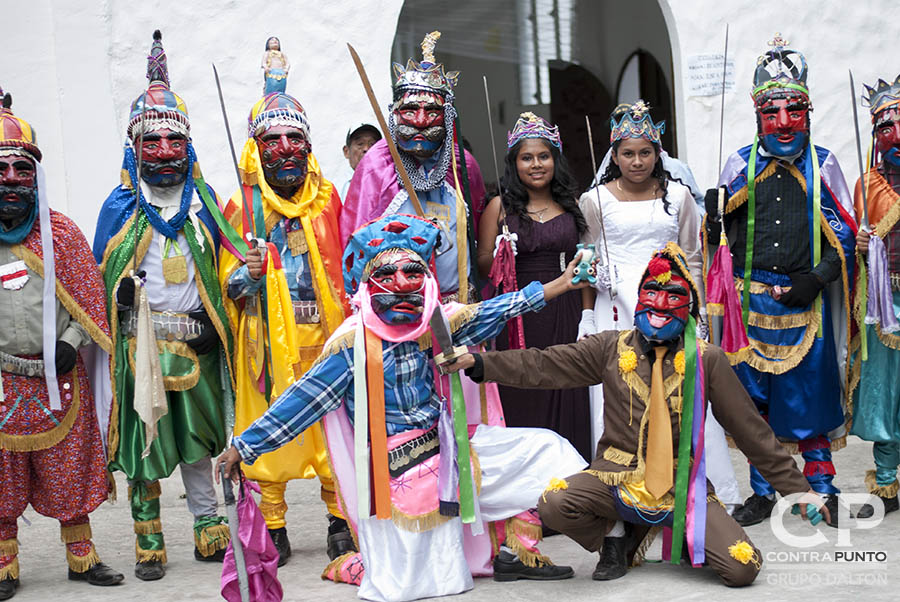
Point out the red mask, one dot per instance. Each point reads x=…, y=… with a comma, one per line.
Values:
x=887, y=134
x=18, y=177
x=396, y=284
x=419, y=117
x=663, y=307
x=783, y=125
x=164, y=157
x=284, y=151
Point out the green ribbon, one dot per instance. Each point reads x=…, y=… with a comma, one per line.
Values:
x=224, y=227
x=863, y=292
x=461, y=434
x=751, y=232
x=683, y=473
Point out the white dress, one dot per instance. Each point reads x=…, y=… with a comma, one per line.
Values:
x=634, y=231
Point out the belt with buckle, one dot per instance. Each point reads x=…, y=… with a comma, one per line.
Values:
x=895, y=282
x=21, y=365
x=167, y=325
x=413, y=452
x=305, y=312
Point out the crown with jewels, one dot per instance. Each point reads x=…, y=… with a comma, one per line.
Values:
x=636, y=123
x=428, y=76
x=882, y=96
x=530, y=125
x=780, y=69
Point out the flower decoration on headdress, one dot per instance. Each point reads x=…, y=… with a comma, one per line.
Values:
x=780, y=71
x=158, y=107
x=375, y=240
x=530, y=125
x=883, y=96
x=428, y=75
x=636, y=123
x=16, y=132
x=277, y=108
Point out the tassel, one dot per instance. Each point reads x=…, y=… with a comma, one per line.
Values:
x=148, y=527
x=212, y=538
x=80, y=564
x=11, y=570
x=75, y=533
x=150, y=555
x=872, y=485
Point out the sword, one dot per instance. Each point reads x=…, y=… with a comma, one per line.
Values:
x=487, y=100
x=859, y=159
x=440, y=328
x=139, y=155
x=612, y=272
x=722, y=109
x=236, y=545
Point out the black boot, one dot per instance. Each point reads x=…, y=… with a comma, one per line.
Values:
x=340, y=540
x=150, y=570
x=612, y=564
x=282, y=544
x=832, y=502
x=8, y=588
x=508, y=567
x=217, y=556
x=890, y=505
x=755, y=510
x=98, y=574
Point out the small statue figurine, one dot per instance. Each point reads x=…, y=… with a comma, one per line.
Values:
x=275, y=66
x=585, y=270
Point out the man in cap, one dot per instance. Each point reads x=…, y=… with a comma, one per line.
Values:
x=359, y=140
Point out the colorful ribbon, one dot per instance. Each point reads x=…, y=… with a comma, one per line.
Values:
x=682, y=473
x=377, y=425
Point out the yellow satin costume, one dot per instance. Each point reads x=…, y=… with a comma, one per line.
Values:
x=294, y=347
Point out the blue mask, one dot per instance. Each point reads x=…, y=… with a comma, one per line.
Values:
x=777, y=148
x=670, y=330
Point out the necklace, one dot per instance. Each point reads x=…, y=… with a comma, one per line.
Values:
x=539, y=213
x=652, y=191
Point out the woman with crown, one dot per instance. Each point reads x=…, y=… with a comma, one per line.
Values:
x=639, y=207
x=538, y=204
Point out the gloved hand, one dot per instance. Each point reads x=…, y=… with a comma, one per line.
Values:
x=587, y=325
x=713, y=219
x=208, y=338
x=512, y=237
x=65, y=359
x=125, y=292
x=804, y=288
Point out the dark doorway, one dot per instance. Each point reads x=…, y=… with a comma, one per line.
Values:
x=644, y=71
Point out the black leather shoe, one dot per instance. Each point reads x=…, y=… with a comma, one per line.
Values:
x=508, y=567
x=8, y=588
x=890, y=505
x=612, y=564
x=282, y=544
x=217, y=556
x=98, y=574
x=340, y=540
x=832, y=502
x=150, y=570
x=755, y=510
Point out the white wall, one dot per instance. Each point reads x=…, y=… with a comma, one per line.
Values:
x=75, y=67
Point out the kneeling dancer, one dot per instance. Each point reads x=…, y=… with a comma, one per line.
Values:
x=382, y=356
x=656, y=379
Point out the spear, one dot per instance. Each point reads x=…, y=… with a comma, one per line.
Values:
x=859, y=159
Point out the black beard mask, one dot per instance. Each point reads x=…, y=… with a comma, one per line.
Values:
x=13, y=211
x=434, y=135
x=150, y=172
x=279, y=178
x=383, y=302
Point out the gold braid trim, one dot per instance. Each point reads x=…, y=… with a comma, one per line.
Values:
x=50, y=437
x=336, y=345
x=75, y=311
x=212, y=539
x=528, y=557
x=143, y=555
x=154, y=490
x=221, y=328
x=75, y=533
x=148, y=527
x=789, y=355
x=740, y=197
x=179, y=348
x=885, y=491
x=336, y=565
x=9, y=547
x=756, y=288
x=419, y=522
x=11, y=570
x=886, y=223
x=618, y=456
x=887, y=339
x=781, y=322
x=793, y=447
x=80, y=564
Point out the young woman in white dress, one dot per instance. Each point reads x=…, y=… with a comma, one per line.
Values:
x=643, y=208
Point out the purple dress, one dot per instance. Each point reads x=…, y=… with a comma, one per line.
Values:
x=566, y=411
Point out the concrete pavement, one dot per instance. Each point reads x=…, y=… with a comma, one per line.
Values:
x=788, y=573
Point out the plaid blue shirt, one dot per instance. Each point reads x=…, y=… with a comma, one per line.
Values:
x=410, y=399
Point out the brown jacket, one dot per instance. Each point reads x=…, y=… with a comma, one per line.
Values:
x=626, y=394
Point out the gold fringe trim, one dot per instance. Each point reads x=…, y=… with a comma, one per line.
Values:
x=336, y=565
x=154, y=490
x=889, y=340
x=618, y=456
x=793, y=448
x=756, y=288
x=781, y=322
x=885, y=491
x=75, y=533
x=9, y=547
x=616, y=478
x=740, y=197
x=832, y=239
x=179, y=348
x=78, y=314
x=887, y=221
x=80, y=564
x=112, y=490
x=11, y=570
x=150, y=555
x=272, y=511
x=417, y=523
x=524, y=528
x=528, y=558
x=148, y=527
x=648, y=540
x=212, y=539
x=462, y=317
x=789, y=356
x=50, y=437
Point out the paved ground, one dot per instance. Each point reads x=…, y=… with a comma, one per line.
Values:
x=43, y=567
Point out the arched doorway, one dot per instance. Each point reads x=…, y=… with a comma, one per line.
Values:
x=643, y=77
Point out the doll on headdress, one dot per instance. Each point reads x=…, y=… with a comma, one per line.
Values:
x=275, y=66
